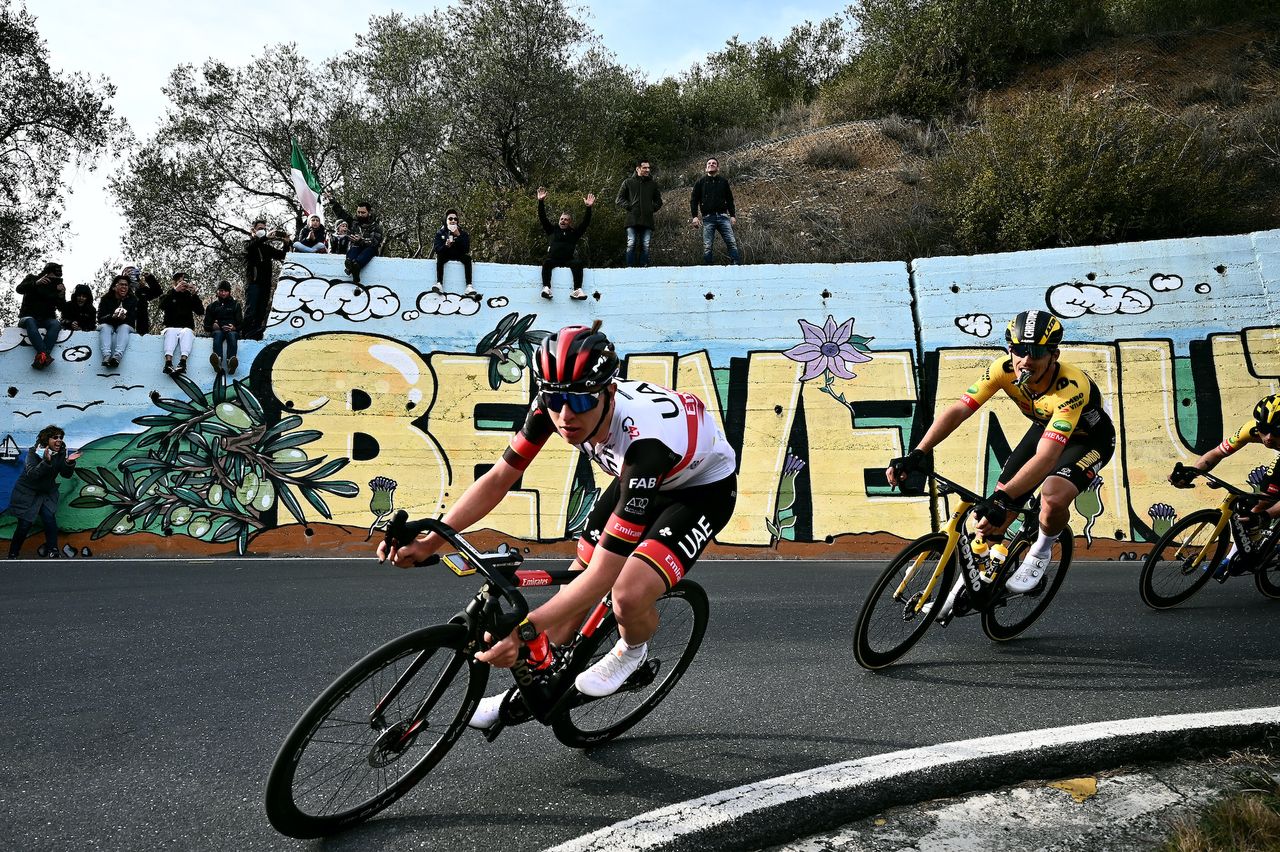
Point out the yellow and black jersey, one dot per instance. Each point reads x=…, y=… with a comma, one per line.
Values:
x=1072, y=405
x=1246, y=434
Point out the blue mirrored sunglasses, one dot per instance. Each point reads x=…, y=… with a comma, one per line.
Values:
x=577, y=402
x=1028, y=350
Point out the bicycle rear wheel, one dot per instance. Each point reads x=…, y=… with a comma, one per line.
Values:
x=682, y=621
x=1012, y=614
x=340, y=764
x=889, y=623
x=1174, y=570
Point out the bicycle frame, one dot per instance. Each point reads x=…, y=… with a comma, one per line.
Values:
x=1230, y=506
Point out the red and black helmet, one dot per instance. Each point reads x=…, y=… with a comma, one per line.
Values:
x=576, y=359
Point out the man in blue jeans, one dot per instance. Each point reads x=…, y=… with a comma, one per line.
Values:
x=42, y=297
x=713, y=198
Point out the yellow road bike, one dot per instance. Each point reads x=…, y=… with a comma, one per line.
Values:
x=1192, y=551
x=911, y=593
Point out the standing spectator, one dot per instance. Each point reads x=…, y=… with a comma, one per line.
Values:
x=563, y=244
x=36, y=491
x=223, y=319
x=365, y=234
x=714, y=198
x=260, y=253
x=117, y=313
x=180, y=306
x=311, y=237
x=42, y=297
x=639, y=196
x=452, y=243
x=79, y=313
x=144, y=287
x=340, y=242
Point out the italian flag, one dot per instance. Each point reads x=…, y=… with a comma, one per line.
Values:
x=305, y=183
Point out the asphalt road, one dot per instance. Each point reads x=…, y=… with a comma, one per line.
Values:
x=143, y=702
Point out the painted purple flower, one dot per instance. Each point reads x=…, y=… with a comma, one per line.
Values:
x=827, y=349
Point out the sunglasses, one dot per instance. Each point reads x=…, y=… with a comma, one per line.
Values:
x=452, y=219
x=1266, y=429
x=578, y=402
x=1028, y=350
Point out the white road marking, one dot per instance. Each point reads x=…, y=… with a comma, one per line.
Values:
x=659, y=828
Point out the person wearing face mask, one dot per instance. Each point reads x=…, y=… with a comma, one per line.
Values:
x=1070, y=440
x=452, y=243
x=180, y=305
x=364, y=233
x=36, y=492
x=261, y=252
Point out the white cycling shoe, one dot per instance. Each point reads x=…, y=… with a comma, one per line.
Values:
x=486, y=712
x=612, y=670
x=1028, y=574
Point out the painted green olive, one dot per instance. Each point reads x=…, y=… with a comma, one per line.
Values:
x=215, y=494
x=199, y=527
x=509, y=370
x=248, y=488
x=123, y=525
x=266, y=496
x=232, y=415
x=180, y=516
x=517, y=355
x=289, y=454
x=93, y=491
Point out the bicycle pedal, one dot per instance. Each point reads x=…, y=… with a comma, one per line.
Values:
x=642, y=676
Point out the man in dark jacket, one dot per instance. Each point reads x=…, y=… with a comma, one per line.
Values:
x=260, y=253
x=222, y=318
x=36, y=491
x=117, y=314
x=713, y=197
x=180, y=306
x=639, y=196
x=452, y=243
x=79, y=313
x=563, y=243
x=144, y=287
x=43, y=296
x=364, y=232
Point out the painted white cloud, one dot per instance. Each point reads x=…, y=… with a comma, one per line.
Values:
x=317, y=298
x=1164, y=283
x=979, y=325
x=1074, y=300
x=447, y=304
x=13, y=337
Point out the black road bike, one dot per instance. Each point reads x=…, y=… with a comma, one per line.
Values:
x=392, y=717
x=1190, y=553
x=907, y=597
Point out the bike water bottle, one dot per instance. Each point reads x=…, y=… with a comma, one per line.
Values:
x=981, y=551
x=999, y=553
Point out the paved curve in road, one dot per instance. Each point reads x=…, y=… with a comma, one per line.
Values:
x=144, y=701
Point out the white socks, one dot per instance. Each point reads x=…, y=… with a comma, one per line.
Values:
x=1043, y=548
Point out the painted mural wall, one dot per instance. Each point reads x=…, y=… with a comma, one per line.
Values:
x=363, y=400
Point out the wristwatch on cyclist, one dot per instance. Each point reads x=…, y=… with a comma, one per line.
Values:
x=526, y=631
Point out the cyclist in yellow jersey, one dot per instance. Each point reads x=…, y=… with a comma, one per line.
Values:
x=1071, y=437
x=1262, y=428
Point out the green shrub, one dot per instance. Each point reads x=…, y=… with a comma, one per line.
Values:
x=1064, y=172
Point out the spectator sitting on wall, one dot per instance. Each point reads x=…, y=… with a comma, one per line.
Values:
x=340, y=242
x=36, y=491
x=79, y=313
x=117, y=312
x=223, y=319
x=180, y=306
x=713, y=197
x=260, y=253
x=43, y=296
x=452, y=243
x=311, y=237
x=145, y=287
x=639, y=196
x=563, y=244
x=364, y=232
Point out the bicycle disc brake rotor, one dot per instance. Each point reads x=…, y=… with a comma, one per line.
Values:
x=393, y=742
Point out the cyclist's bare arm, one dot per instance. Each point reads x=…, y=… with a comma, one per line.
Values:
x=946, y=423
x=1208, y=461
x=475, y=503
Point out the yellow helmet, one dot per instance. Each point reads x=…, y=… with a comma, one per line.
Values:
x=1267, y=413
x=1039, y=328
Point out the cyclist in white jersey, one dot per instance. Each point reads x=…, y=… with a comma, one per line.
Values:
x=674, y=488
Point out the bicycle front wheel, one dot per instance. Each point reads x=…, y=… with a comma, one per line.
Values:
x=896, y=613
x=1012, y=614
x=346, y=759
x=1182, y=560
x=682, y=621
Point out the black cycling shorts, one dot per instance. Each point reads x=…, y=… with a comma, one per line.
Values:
x=684, y=522
x=1081, y=459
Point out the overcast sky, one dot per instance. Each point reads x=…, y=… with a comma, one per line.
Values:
x=138, y=42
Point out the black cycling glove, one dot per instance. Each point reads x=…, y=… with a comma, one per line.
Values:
x=916, y=460
x=996, y=508
x=1182, y=476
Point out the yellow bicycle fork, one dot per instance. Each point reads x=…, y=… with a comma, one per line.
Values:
x=952, y=531
x=1206, y=551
